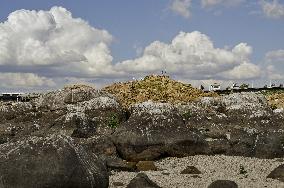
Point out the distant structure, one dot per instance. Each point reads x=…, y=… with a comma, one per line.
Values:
x=215, y=87
x=11, y=96
x=18, y=97
x=235, y=86
x=272, y=85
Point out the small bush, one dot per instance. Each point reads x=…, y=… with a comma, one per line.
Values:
x=187, y=115
x=113, y=121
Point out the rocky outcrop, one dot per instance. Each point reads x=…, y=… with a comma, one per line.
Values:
x=77, y=111
x=237, y=124
x=53, y=161
x=155, y=130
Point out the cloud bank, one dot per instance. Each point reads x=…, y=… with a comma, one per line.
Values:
x=53, y=43
x=42, y=49
x=193, y=56
x=274, y=63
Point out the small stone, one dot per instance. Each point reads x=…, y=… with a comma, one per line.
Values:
x=277, y=173
x=190, y=170
x=195, y=176
x=165, y=173
x=223, y=184
x=142, y=181
x=146, y=166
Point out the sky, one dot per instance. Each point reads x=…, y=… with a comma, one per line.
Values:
x=48, y=44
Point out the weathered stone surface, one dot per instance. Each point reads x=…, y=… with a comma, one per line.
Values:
x=117, y=184
x=190, y=170
x=100, y=145
x=155, y=130
x=277, y=173
x=142, y=181
x=117, y=164
x=146, y=166
x=223, y=184
x=88, y=113
x=53, y=161
x=237, y=124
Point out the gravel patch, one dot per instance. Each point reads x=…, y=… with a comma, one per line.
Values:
x=252, y=173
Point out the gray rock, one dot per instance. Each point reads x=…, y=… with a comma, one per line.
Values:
x=155, y=130
x=53, y=161
x=190, y=170
x=277, y=173
x=223, y=184
x=142, y=181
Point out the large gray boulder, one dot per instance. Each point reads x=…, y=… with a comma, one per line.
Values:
x=53, y=161
x=155, y=130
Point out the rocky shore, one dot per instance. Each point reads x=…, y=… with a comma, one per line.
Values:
x=83, y=137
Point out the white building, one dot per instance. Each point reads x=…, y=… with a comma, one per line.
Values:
x=215, y=87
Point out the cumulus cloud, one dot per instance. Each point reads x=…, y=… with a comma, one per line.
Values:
x=181, y=7
x=54, y=43
x=272, y=9
x=274, y=64
x=212, y=3
x=193, y=56
x=24, y=80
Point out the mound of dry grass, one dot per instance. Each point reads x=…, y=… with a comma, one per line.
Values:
x=158, y=88
x=276, y=100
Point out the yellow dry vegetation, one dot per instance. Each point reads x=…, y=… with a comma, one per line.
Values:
x=158, y=88
x=276, y=100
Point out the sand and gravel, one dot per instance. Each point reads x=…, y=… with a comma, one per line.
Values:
x=212, y=168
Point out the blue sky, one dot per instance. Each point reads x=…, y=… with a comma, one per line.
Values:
x=135, y=24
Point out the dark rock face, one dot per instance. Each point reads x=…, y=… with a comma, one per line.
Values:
x=54, y=161
x=190, y=170
x=223, y=184
x=142, y=181
x=277, y=173
x=117, y=164
x=155, y=130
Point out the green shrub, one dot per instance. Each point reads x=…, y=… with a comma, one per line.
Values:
x=187, y=115
x=113, y=120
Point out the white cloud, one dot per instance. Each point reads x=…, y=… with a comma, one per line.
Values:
x=274, y=64
x=181, y=7
x=54, y=43
x=244, y=71
x=272, y=9
x=24, y=80
x=212, y=3
x=193, y=56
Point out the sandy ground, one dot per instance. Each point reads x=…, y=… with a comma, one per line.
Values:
x=212, y=168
